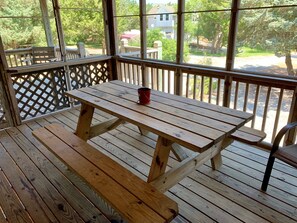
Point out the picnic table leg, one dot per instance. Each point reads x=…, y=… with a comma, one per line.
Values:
x=160, y=158
x=84, y=121
x=179, y=152
x=216, y=160
x=143, y=131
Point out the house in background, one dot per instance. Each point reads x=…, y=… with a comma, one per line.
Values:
x=160, y=17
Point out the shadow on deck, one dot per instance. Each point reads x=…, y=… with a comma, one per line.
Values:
x=36, y=187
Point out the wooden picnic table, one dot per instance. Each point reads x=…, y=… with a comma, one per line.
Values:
x=179, y=123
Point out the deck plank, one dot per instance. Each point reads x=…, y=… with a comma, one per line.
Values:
x=32, y=201
x=10, y=204
x=73, y=195
x=56, y=202
x=230, y=194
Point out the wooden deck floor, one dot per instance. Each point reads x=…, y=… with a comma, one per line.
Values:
x=36, y=187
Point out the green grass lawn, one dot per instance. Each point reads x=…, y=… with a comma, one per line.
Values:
x=249, y=52
x=243, y=52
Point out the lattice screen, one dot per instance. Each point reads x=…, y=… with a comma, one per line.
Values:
x=88, y=74
x=40, y=92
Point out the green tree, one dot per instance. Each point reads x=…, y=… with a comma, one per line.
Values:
x=168, y=45
x=210, y=25
x=130, y=10
x=85, y=24
x=16, y=31
x=272, y=29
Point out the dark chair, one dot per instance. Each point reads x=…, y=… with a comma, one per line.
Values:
x=287, y=154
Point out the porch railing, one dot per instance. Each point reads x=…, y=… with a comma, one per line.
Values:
x=40, y=89
x=20, y=57
x=273, y=100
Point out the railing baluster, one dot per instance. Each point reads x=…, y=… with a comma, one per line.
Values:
x=202, y=88
x=236, y=94
x=158, y=82
x=138, y=69
x=255, y=105
x=152, y=77
x=134, y=74
x=131, y=81
x=209, y=89
x=218, y=91
x=195, y=86
x=120, y=71
x=163, y=80
x=278, y=111
x=169, y=80
x=187, y=85
x=266, y=109
x=290, y=138
x=10, y=62
x=126, y=73
x=246, y=95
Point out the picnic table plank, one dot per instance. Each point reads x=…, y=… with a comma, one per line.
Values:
x=131, y=94
x=201, y=104
x=93, y=175
x=177, y=102
x=196, y=128
x=183, y=137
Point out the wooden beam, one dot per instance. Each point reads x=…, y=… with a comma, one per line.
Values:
x=216, y=160
x=179, y=152
x=84, y=121
x=104, y=127
x=180, y=32
x=8, y=99
x=160, y=158
x=142, y=12
x=232, y=35
x=59, y=27
x=143, y=131
x=291, y=136
x=181, y=170
x=111, y=35
x=46, y=22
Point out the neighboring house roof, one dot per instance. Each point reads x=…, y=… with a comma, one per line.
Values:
x=161, y=9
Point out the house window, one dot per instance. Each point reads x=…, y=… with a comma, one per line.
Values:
x=167, y=17
x=161, y=17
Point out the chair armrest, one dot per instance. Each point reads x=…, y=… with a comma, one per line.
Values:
x=280, y=135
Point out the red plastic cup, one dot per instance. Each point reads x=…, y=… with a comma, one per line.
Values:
x=144, y=95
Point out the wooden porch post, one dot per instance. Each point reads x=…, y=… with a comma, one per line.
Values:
x=62, y=43
x=60, y=32
x=231, y=51
x=9, y=102
x=291, y=136
x=232, y=35
x=180, y=46
x=110, y=35
x=46, y=22
x=144, y=69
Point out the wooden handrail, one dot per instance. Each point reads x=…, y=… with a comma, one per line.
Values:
x=266, y=80
x=47, y=66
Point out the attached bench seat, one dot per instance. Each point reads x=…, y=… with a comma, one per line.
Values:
x=133, y=198
x=248, y=135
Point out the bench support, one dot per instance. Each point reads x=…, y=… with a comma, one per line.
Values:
x=160, y=158
x=84, y=121
x=135, y=199
x=105, y=126
x=187, y=166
